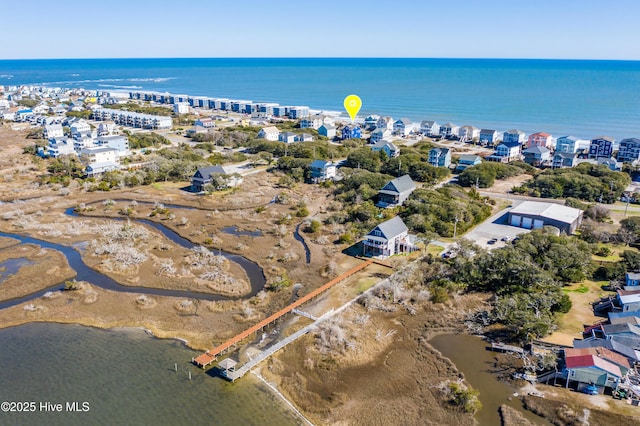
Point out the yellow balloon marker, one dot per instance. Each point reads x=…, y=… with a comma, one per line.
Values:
x=352, y=104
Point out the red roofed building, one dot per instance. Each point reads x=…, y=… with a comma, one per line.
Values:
x=591, y=369
x=603, y=353
x=540, y=139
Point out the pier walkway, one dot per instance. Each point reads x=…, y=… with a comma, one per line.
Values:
x=210, y=357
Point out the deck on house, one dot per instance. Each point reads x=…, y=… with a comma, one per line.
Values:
x=209, y=357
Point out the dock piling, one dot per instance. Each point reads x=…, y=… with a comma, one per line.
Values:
x=175, y=367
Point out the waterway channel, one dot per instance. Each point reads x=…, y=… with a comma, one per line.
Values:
x=85, y=273
x=471, y=357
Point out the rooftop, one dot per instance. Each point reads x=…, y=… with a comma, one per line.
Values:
x=549, y=210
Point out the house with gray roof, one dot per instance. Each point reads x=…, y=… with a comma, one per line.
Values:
x=440, y=157
x=207, y=175
x=537, y=156
x=322, y=170
x=395, y=192
x=468, y=160
x=387, y=147
x=387, y=239
x=629, y=150
x=430, y=128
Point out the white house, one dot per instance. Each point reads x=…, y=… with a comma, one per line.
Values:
x=488, y=136
x=99, y=160
x=270, y=133
x=429, y=128
x=448, y=130
x=106, y=128
x=468, y=133
x=59, y=147
x=53, y=131
x=402, y=127
x=80, y=127
x=99, y=154
x=385, y=122
x=322, y=170
x=379, y=134
x=181, y=108
x=313, y=122
x=82, y=142
x=287, y=137
x=207, y=123
x=387, y=239
x=117, y=142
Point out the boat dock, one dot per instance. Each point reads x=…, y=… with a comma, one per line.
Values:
x=209, y=357
x=499, y=347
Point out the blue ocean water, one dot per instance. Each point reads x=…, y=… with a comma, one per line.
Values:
x=582, y=98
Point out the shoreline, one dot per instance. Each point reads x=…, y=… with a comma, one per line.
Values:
x=519, y=123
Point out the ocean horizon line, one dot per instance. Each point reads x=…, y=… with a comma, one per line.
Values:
x=288, y=58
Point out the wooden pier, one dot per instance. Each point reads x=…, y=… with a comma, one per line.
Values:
x=209, y=357
x=499, y=347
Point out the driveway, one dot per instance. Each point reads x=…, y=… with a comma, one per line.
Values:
x=495, y=227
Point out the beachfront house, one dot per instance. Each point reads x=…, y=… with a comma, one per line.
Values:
x=387, y=239
x=429, y=128
x=540, y=139
x=297, y=112
x=387, y=147
x=385, y=122
x=327, y=130
x=468, y=134
x=270, y=133
x=379, y=134
x=217, y=176
x=567, y=144
x=351, y=132
x=506, y=152
x=402, y=127
x=370, y=122
x=468, y=160
x=564, y=159
x=395, y=192
x=488, y=137
x=448, y=130
x=601, y=146
x=287, y=137
x=514, y=135
x=629, y=150
x=537, y=156
x=321, y=170
x=440, y=157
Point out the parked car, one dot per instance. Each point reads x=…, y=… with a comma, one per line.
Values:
x=492, y=241
x=506, y=239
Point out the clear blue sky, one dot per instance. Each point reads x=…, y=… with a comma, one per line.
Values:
x=586, y=29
